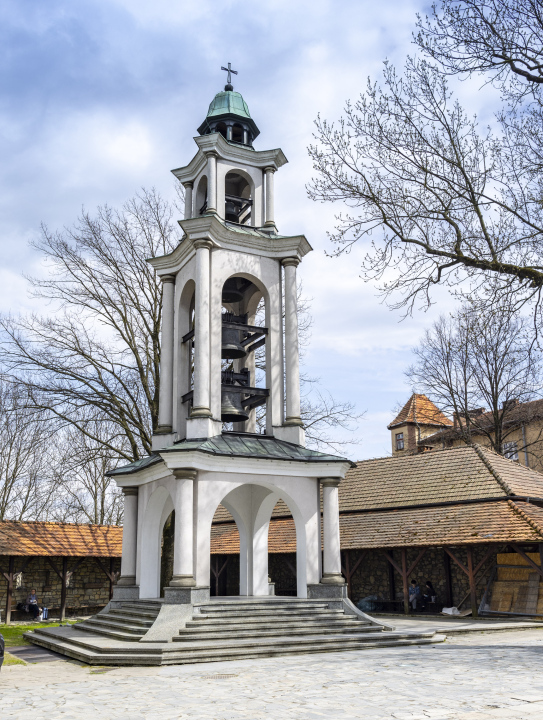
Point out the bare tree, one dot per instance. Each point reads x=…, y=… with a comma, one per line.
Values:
x=480, y=367
x=25, y=478
x=436, y=198
x=100, y=348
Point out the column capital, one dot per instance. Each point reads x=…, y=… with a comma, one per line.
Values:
x=270, y=169
x=290, y=262
x=203, y=243
x=330, y=481
x=130, y=491
x=185, y=474
x=211, y=154
x=167, y=279
x=188, y=184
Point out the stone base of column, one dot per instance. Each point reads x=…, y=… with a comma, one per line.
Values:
x=163, y=430
x=294, y=434
x=321, y=591
x=127, y=580
x=125, y=592
x=160, y=441
x=182, y=581
x=332, y=579
x=185, y=595
x=203, y=427
x=200, y=412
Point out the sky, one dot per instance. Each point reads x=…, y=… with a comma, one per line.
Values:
x=99, y=98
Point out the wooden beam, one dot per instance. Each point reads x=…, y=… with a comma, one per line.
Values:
x=391, y=582
x=457, y=561
x=472, y=585
x=349, y=571
x=55, y=568
x=64, y=580
x=405, y=582
x=448, y=578
x=9, y=593
x=419, y=558
x=489, y=552
x=391, y=561
x=528, y=559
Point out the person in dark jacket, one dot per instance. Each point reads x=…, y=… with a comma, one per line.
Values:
x=32, y=602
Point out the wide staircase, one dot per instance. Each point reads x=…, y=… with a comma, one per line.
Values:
x=232, y=629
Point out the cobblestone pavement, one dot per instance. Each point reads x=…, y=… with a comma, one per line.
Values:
x=470, y=677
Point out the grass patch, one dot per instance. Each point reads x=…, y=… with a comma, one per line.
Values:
x=12, y=660
x=13, y=634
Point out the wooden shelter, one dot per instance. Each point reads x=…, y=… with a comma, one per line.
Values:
x=28, y=549
x=446, y=514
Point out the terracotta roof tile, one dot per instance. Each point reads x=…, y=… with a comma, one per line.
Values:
x=420, y=410
x=60, y=539
x=281, y=538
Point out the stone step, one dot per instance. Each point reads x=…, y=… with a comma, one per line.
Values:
x=267, y=610
x=147, y=606
x=212, y=652
x=269, y=632
x=94, y=622
x=327, y=616
x=263, y=624
x=114, y=634
x=132, y=619
x=260, y=607
x=143, y=614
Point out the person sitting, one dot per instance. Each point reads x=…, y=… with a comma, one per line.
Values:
x=429, y=595
x=414, y=594
x=32, y=603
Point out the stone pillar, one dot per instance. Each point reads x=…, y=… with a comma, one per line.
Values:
x=165, y=406
x=268, y=182
x=183, y=552
x=292, y=360
x=229, y=129
x=130, y=537
x=331, y=566
x=245, y=137
x=188, y=199
x=211, y=183
x=201, y=400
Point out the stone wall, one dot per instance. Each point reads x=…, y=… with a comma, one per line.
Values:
x=89, y=585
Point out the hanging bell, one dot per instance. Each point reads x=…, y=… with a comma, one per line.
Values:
x=231, y=292
x=231, y=408
x=231, y=211
x=231, y=348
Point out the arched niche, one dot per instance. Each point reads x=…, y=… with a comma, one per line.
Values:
x=237, y=133
x=238, y=197
x=200, y=200
x=184, y=362
x=224, y=577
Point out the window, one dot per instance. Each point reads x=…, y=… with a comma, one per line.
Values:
x=510, y=450
x=399, y=441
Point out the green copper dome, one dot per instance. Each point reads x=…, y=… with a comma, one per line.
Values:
x=228, y=108
x=228, y=102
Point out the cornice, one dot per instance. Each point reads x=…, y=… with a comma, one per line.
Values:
x=228, y=151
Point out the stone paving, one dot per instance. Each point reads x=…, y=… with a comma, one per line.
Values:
x=478, y=676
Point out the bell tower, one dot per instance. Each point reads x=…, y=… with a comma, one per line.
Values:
x=230, y=360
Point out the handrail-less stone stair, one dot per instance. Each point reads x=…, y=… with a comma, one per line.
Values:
x=220, y=630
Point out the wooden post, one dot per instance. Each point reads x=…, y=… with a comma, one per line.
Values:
x=9, y=578
x=348, y=575
x=541, y=555
x=391, y=580
x=448, y=579
x=472, y=585
x=64, y=580
x=110, y=577
x=405, y=582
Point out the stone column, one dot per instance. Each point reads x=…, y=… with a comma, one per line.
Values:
x=130, y=537
x=211, y=183
x=292, y=360
x=201, y=399
x=183, y=551
x=188, y=199
x=165, y=406
x=331, y=566
x=268, y=182
x=229, y=130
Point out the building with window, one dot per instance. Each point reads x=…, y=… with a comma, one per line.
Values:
x=418, y=419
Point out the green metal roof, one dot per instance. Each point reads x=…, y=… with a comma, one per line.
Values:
x=238, y=445
x=228, y=102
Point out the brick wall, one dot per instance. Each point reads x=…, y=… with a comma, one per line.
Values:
x=89, y=586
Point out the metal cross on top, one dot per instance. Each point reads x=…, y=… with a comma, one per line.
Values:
x=229, y=71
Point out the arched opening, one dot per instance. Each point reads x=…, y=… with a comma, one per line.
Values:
x=185, y=372
x=166, y=554
x=237, y=133
x=224, y=562
x=157, y=512
x=201, y=196
x=238, y=198
x=243, y=359
x=282, y=565
x=221, y=128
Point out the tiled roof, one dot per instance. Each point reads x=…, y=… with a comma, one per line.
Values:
x=60, y=539
x=420, y=410
x=439, y=476
x=238, y=445
x=475, y=523
x=280, y=510
x=520, y=413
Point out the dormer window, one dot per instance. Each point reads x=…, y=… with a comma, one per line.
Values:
x=399, y=441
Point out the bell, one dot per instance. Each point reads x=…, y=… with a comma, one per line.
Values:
x=231, y=409
x=231, y=348
x=231, y=292
x=231, y=212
